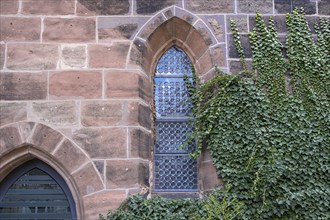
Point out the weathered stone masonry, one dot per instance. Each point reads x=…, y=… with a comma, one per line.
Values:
x=76, y=84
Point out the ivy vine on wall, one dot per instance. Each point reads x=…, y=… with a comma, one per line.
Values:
x=269, y=135
x=272, y=144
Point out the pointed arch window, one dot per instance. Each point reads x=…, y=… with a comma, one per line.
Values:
x=35, y=191
x=174, y=169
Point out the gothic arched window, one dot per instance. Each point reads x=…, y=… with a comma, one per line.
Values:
x=174, y=169
x=35, y=191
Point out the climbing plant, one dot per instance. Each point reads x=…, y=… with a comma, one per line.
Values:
x=269, y=135
x=217, y=205
x=272, y=144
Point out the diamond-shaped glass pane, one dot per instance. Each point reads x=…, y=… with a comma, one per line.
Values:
x=174, y=169
x=170, y=135
x=175, y=173
x=174, y=62
x=171, y=98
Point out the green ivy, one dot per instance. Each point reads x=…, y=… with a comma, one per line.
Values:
x=217, y=205
x=269, y=136
x=268, y=60
x=273, y=147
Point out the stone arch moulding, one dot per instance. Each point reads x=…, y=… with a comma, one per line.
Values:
x=23, y=141
x=178, y=27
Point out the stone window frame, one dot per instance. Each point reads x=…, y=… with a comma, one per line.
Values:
x=149, y=44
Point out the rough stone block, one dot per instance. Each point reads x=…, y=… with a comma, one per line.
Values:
x=324, y=7
x=179, y=28
x=12, y=112
x=169, y=13
x=150, y=7
x=60, y=113
x=70, y=156
x=9, y=138
x=283, y=6
x=20, y=29
x=77, y=84
x=45, y=138
x=251, y=6
x=137, y=55
x=73, y=56
x=140, y=143
x=209, y=176
x=88, y=180
x=99, y=165
x=210, y=6
x=139, y=115
x=2, y=55
x=102, y=113
x=101, y=7
x=26, y=129
x=279, y=20
x=126, y=174
x=160, y=37
x=245, y=44
x=206, y=33
x=118, y=28
x=312, y=21
x=240, y=21
x=23, y=86
x=123, y=31
x=209, y=75
x=102, y=143
x=151, y=26
x=102, y=202
x=127, y=85
x=112, y=56
x=71, y=30
x=196, y=43
x=235, y=66
x=204, y=63
x=48, y=7
x=9, y=7
x=218, y=54
x=185, y=16
x=32, y=56
x=217, y=25
x=308, y=5
x=205, y=155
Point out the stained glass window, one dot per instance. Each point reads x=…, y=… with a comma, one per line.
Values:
x=174, y=169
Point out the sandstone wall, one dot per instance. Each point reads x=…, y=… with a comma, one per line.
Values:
x=76, y=82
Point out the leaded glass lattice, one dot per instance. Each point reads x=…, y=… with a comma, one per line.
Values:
x=170, y=135
x=174, y=62
x=174, y=169
x=172, y=98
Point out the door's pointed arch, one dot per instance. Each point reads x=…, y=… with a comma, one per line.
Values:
x=36, y=190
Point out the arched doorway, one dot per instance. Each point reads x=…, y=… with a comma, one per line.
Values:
x=34, y=190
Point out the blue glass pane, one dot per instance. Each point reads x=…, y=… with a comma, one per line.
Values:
x=171, y=98
x=170, y=135
x=175, y=173
x=174, y=62
x=174, y=169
